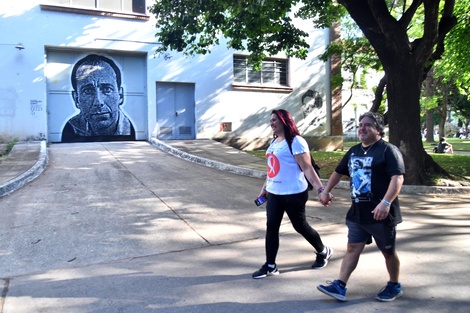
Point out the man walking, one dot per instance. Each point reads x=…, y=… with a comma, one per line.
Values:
x=376, y=170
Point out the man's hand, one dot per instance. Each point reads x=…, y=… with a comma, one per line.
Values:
x=325, y=198
x=381, y=211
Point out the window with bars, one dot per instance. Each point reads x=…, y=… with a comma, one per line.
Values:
x=274, y=72
x=130, y=6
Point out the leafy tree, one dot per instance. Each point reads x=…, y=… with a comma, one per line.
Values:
x=264, y=27
x=454, y=66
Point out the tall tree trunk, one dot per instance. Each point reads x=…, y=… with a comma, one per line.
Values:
x=429, y=86
x=430, y=125
x=404, y=118
x=443, y=113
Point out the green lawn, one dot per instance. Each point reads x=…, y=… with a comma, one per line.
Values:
x=457, y=144
x=453, y=163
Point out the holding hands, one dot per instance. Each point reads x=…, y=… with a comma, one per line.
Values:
x=324, y=197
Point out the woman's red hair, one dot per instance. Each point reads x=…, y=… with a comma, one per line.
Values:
x=290, y=128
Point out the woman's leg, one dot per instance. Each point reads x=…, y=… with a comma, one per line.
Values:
x=274, y=213
x=295, y=208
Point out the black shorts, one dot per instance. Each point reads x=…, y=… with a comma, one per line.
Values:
x=383, y=234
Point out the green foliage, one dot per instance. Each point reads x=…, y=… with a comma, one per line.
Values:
x=429, y=103
x=262, y=27
x=454, y=66
x=355, y=50
x=10, y=143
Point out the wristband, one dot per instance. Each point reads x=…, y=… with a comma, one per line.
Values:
x=385, y=202
x=320, y=190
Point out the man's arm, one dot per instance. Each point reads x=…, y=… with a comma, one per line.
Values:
x=381, y=210
x=326, y=196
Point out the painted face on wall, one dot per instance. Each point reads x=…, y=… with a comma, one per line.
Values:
x=98, y=96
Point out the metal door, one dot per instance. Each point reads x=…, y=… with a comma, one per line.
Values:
x=175, y=111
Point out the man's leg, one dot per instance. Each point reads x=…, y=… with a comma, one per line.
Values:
x=393, y=266
x=337, y=288
x=350, y=260
x=393, y=288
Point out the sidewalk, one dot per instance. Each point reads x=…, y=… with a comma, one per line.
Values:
x=28, y=159
x=125, y=227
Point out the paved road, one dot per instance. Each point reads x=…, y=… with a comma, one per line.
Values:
x=124, y=227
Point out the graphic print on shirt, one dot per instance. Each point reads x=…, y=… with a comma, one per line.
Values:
x=361, y=177
x=273, y=165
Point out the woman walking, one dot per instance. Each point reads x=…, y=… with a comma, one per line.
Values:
x=289, y=165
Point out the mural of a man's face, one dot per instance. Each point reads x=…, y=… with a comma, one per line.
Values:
x=98, y=96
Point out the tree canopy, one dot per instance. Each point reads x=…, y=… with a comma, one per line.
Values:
x=454, y=66
x=262, y=27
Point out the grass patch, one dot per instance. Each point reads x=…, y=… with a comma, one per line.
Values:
x=457, y=144
x=326, y=160
x=7, y=146
x=454, y=164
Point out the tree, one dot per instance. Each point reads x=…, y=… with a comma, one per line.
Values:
x=454, y=66
x=405, y=63
x=264, y=27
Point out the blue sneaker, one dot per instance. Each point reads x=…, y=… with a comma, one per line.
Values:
x=389, y=292
x=334, y=290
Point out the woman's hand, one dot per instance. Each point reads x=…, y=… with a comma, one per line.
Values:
x=325, y=198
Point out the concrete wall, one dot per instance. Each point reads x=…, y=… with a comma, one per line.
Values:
x=23, y=94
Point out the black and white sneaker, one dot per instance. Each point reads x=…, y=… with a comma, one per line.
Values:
x=265, y=271
x=322, y=259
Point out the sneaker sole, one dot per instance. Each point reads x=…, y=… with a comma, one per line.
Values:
x=333, y=295
x=391, y=299
x=320, y=267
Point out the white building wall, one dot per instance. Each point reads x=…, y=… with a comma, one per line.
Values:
x=23, y=94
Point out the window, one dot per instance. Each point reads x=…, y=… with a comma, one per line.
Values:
x=123, y=6
x=273, y=73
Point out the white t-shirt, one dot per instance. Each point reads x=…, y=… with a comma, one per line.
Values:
x=284, y=174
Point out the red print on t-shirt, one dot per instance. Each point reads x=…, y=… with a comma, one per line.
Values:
x=273, y=165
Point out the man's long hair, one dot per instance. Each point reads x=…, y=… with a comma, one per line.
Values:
x=290, y=128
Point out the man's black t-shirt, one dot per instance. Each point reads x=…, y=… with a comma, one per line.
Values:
x=370, y=171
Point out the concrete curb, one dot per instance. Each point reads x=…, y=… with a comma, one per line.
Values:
x=419, y=190
x=24, y=178
x=206, y=162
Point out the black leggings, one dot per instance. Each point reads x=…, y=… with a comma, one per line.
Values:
x=294, y=206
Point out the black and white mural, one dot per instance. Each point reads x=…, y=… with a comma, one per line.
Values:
x=312, y=102
x=88, y=100
x=98, y=94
